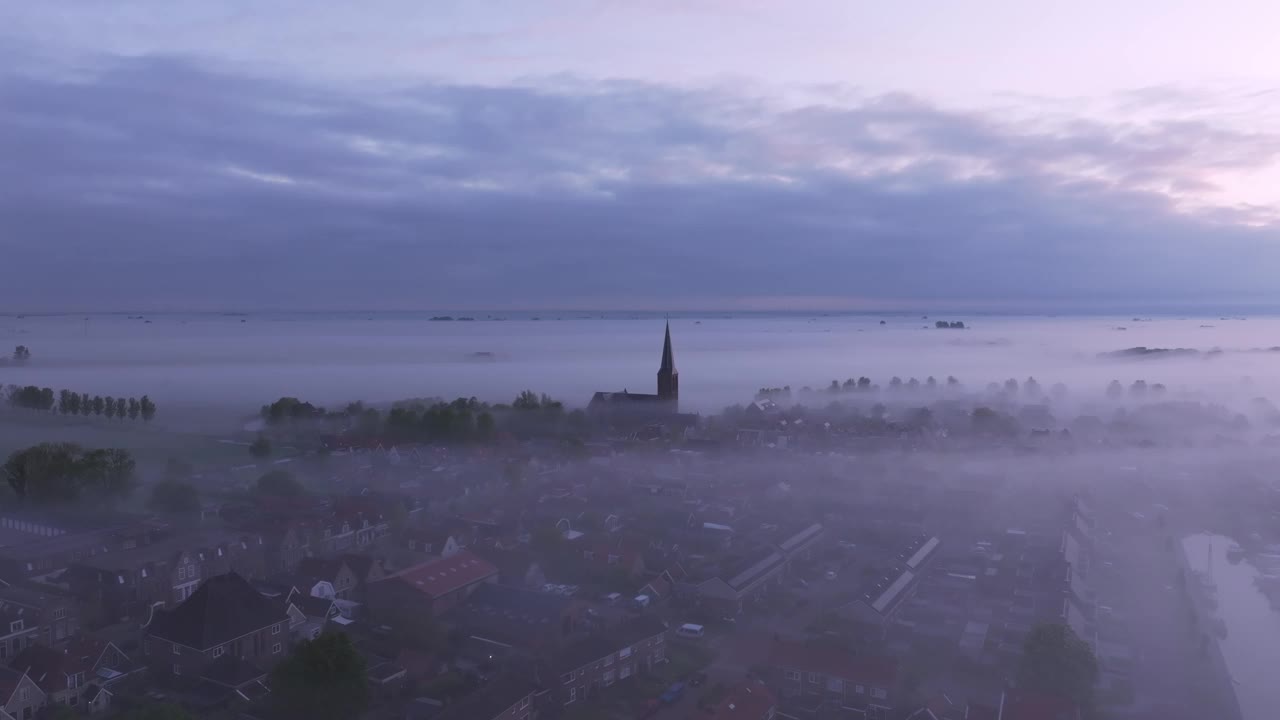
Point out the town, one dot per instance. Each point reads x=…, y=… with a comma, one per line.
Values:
x=917, y=551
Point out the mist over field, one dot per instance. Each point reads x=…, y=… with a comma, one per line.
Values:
x=233, y=363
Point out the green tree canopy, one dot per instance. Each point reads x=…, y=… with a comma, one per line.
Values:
x=260, y=447
x=1055, y=661
x=324, y=677
x=280, y=483
x=156, y=711
x=65, y=472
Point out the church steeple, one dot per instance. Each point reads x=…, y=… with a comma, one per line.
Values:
x=668, y=377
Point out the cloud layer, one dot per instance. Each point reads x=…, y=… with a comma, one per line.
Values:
x=154, y=182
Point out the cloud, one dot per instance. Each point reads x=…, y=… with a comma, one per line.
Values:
x=165, y=182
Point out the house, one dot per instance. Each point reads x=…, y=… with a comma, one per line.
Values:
x=69, y=676
x=528, y=620
x=127, y=583
x=751, y=700
x=332, y=570
x=16, y=632
x=587, y=666
x=832, y=676
x=614, y=556
x=225, y=617
x=20, y=696
x=752, y=574
x=509, y=697
x=516, y=568
x=315, y=614
x=430, y=541
x=52, y=610
x=434, y=587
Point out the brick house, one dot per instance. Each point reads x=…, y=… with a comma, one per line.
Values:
x=127, y=583
x=751, y=700
x=20, y=697
x=77, y=674
x=588, y=666
x=509, y=697
x=434, y=587
x=834, y=677
x=225, y=618
x=53, y=611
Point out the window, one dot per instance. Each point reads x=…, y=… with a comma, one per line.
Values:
x=860, y=689
x=191, y=571
x=658, y=654
x=59, y=614
x=835, y=685
x=624, y=653
x=813, y=677
x=879, y=694
x=176, y=649
x=792, y=674
x=624, y=671
x=182, y=572
x=275, y=629
x=608, y=677
x=573, y=695
x=15, y=626
x=608, y=661
x=177, y=669
x=613, y=559
x=275, y=649
x=218, y=651
x=24, y=694
x=566, y=678
x=30, y=567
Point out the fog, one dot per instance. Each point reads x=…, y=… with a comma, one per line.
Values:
x=1127, y=493
x=233, y=363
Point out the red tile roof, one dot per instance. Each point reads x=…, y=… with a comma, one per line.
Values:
x=442, y=577
x=748, y=701
x=834, y=662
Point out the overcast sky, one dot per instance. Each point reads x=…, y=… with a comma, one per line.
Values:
x=667, y=154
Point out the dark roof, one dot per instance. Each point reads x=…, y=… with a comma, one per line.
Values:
x=31, y=596
x=320, y=568
x=159, y=551
x=232, y=672
x=493, y=699
x=668, y=357
x=624, y=397
x=222, y=609
x=49, y=668
x=834, y=662
x=597, y=646
x=312, y=606
x=359, y=564
x=511, y=616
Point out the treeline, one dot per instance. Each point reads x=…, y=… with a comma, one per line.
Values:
x=1030, y=388
x=463, y=420
x=21, y=356
x=52, y=473
x=67, y=402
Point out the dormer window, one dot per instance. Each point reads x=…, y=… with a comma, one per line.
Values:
x=16, y=626
x=182, y=572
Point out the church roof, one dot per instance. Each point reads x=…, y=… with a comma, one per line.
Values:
x=668, y=357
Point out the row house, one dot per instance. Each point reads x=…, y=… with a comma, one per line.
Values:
x=79, y=674
x=20, y=697
x=128, y=583
x=819, y=675
x=225, y=622
x=36, y=548
x=50, y=609
x=18, y=631
x=586, y=667
x=509, y=697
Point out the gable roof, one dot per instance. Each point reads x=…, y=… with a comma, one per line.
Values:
x=222, y=609
x=834, y=662
x=10, y=679
x=441, y=577
x=50, y=668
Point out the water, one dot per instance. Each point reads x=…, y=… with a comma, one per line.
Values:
x=1252, y=645
x=236, y=363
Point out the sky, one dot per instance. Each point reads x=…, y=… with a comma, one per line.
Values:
x=1000, y=155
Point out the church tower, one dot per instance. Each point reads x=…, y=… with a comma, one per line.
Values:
x=668, y=377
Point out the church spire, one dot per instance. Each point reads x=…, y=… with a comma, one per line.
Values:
x=668, y=377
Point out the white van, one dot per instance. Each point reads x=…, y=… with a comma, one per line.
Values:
x=689, y=630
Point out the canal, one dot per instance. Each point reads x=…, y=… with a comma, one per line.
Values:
x=1252, y=644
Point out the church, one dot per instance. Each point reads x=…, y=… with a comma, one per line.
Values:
x=642, y=406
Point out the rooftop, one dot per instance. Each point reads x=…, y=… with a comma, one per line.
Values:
x=222, y=609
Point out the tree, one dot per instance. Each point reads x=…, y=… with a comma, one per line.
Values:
x=1115, y=390
x=147, y=408
x=174, y=496
x=98, y=404
x=279, y=483
x=64, y=402
x=134, y=408
x=260, y=448
x=121, y=407
x=77, y=403
x=64, y=472
x=324, y=677
x=109, y=407
x=1055, y=661
x=21, y=355
x=57, y=711
x=485, y=426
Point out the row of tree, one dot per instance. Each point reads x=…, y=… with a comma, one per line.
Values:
x=53, y=473
x=1030, y=388
x=31, y=397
